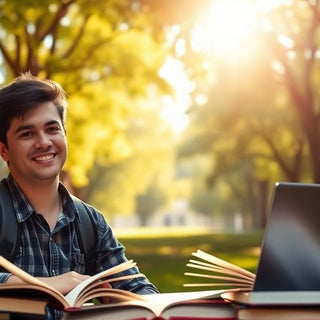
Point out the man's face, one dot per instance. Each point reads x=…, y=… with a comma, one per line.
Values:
x=37, y=147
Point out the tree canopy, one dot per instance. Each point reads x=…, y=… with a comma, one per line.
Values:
x=261, y=105
x=253, y=70
x=107, y=56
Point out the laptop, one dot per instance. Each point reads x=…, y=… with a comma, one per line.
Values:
x=288, y=271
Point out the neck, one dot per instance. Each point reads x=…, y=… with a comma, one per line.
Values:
x=45, y=199
x=36, y=192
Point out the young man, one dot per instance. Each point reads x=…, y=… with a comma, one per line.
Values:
x=33, y=143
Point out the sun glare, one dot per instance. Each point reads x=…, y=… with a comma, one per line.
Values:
x=225, y=27
x=174, y=108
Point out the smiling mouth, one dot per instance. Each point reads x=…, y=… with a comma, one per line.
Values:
x=44, y=157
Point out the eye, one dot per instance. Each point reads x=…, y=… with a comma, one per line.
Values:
x=53, y=129
x=26, y=134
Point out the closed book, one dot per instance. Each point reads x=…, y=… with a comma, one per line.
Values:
x=279, y=313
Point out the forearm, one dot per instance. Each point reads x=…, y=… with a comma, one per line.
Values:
x=12, y=279
x=64, y=283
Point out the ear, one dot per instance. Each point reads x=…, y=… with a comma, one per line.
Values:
x=4, y=152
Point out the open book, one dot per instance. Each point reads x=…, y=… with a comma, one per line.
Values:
x=201, y=305
x=204, y=305
x=85, y=291
x=239, y=284
x=220, y=273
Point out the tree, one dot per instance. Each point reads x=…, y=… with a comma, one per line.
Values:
x=294, y=42
x=284, y=64
x=149, y=202
x=262, y=107
x=145, y=152
x=106, y=54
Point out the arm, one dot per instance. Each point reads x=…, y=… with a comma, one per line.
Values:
x=111, y=252
x=63, y=283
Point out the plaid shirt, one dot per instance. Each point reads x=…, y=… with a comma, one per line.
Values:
x=43, y=253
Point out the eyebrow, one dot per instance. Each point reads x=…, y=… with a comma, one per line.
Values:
x=31, y=126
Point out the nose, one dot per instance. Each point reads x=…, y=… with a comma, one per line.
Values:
x=43, y=141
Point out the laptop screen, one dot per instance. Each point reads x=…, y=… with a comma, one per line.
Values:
x=290, y=252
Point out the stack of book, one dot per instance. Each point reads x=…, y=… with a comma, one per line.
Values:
x=278, y=313
x=84, y=301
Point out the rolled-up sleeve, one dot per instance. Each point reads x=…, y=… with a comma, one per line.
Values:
x=4, y=276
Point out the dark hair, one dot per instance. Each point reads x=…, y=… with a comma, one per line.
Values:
x=23, y=94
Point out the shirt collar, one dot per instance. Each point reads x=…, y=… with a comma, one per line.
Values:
x=24, y=209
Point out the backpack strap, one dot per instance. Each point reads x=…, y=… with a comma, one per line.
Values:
x=9, y=227
x=87, y=235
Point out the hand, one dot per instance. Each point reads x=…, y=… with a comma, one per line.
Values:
x=64, y=283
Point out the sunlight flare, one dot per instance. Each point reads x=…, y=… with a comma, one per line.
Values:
x=224, y=27
x=174, y=108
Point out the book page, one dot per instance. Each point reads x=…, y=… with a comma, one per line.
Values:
x=222, y=273
x=226, y=274
x=115, y=296
x=157, y=303
x=73, y=295
x=231, y=280
x=97, y=284
x=214, y=268
x=97, y=290
x=222, y=263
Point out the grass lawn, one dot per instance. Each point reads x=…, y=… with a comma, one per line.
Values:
x=162, y=254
